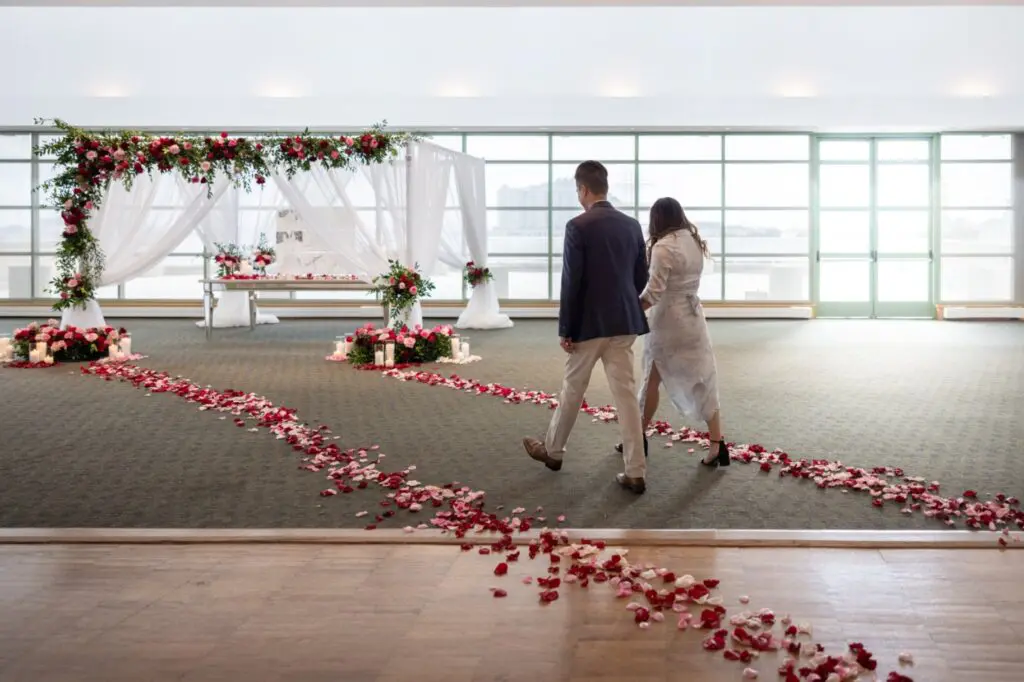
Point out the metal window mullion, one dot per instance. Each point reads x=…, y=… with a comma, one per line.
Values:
x=814, y=218
x=33, y=220
x=636, y=177
x=551, y=218
x=721, y=219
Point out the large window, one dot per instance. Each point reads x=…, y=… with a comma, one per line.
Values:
x=750, y=196
x=976, y=227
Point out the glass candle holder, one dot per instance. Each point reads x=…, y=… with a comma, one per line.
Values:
x=340, y=345
x=464, y=349
x=378, y=354
x=389, y=354
x=456, y=347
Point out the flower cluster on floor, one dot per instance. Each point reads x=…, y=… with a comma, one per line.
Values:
x=653, y=593
x=410, y=345
x=70, y=344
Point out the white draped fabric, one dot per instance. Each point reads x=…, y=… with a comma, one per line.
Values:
x=220, y=226
x=137, y=228
x=428, y=209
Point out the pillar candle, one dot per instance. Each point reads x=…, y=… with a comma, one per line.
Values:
x=378, y=358
x=33, y=356
x=41, y=348
x=464, y=352
x=48, y=359
x=456, y=347
x=389, y=355
x=339, y=348
x=125, y=345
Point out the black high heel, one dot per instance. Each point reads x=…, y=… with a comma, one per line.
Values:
x=722, y=459
x=618, y=448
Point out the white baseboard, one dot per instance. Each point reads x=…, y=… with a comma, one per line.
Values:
x=371, y=312
x=988, y=313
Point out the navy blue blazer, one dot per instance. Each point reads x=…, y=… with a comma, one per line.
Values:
x=604, y=270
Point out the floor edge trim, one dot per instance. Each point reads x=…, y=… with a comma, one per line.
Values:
x=859, y=539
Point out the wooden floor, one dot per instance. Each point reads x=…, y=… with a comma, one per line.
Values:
x=399, y=612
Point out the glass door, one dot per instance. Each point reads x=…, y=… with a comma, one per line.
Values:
x=874, y=227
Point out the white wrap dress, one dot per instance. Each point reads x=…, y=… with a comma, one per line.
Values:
x=679, y=344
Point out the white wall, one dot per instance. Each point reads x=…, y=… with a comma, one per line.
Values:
x=798, y=67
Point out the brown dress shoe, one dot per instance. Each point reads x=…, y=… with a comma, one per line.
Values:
x=536, y=450
x=637, y=485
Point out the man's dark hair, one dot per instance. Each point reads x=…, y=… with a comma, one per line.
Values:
x=594, y=176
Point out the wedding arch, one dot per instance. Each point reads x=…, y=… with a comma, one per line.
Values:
x=128, y=200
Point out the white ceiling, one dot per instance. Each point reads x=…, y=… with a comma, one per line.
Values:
x=866, y=67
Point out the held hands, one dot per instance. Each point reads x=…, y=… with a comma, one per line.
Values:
x=566, y=345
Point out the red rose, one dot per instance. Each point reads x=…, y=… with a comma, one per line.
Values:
x=184, y=161
x=224, y=135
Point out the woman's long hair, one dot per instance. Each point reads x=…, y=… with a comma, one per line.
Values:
x=667, y=216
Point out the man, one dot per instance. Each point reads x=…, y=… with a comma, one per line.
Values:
x=604, y=270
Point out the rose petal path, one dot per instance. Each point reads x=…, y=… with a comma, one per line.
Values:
x=653, y=592
x=881, y=484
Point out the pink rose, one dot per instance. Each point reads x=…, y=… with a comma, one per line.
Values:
x=91, y=155
x=373, y=143
x=91, y=337
x=188, y=145
x=401, y=286
x=52, y=323
x=205, y=165
x=424, y=334
x=409, y=342
x=72, y=283
x=174, y=149
x=119, y=154
x=70, y=229
x=412, y=290
x=335, y=154
x=89, y=205
x=349, y=141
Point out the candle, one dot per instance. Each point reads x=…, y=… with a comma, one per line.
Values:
x=456, y=346
x=113, y=351
x=33, y=356
x=125, y=345
x=378, y=358
x=389, y=355
x=48, y=359
x=339, y=348
x=464, y=351
x=41, y=348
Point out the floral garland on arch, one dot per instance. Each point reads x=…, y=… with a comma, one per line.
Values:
x=89, y=161
x=399, y=288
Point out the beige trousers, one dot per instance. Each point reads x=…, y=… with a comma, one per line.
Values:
x=616, y=354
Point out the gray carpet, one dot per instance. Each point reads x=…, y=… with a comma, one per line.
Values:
x=943, y=400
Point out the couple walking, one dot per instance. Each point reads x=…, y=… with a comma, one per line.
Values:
x=611, y=277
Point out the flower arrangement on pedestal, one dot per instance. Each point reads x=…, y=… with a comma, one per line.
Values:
x=66, y=345
x=228, y=259
x=415, y=345
x=475, y=275
x=263, y=255
x=399, y=288
x=89, y=161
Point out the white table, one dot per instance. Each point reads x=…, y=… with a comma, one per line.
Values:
x=254, y=286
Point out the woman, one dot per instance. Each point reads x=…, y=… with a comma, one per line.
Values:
x=678, y=351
